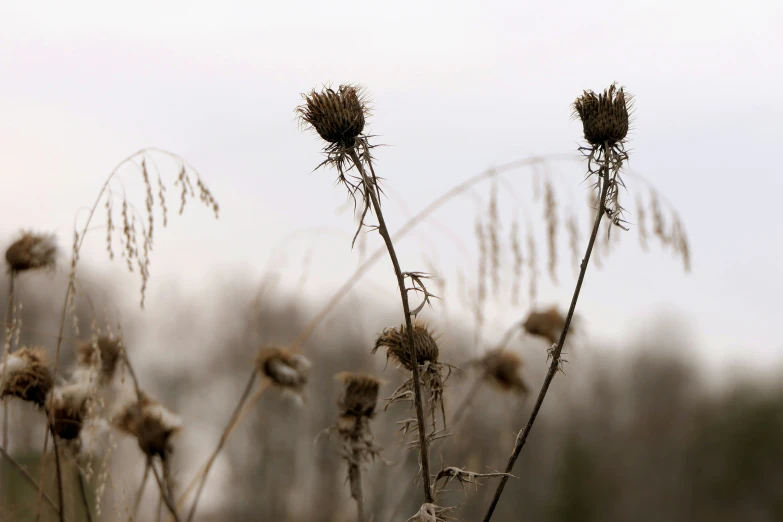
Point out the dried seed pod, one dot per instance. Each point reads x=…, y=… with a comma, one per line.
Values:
x=26, y=375
x=360, y=396
x=151, y=423
x=338, y=116
x=103, y=354
x=547, y=324
x=68, y=407
x=395, y=340
x=501, y=368
x=285, y=369
x=32, y=251
x=605, y=117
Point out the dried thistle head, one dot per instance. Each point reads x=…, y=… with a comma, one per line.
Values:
x=103, y=354
x=151, y=423
x=26, y=375
x=605, y=116
x=501, y=368
x=547, y=324
x=395, y=340
x=337, y=116
x=68, y=406
x=284, y=368
x=360, y=395
x=32, y=252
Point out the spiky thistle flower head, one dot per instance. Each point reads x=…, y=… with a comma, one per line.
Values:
x=150, y=423
x=68, y=406
x=32, y=252
x=360, y=394
x=605, y=116
x=26, y=375
x=102, y=355
x=547, y=323
x=338, y=116
x=395, y=340
x=502, y=368
x=284, y=368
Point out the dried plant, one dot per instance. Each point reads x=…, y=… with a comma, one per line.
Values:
x=150, y=423
x=103, y=354
x=285, y=369
x=547, y=324
x=136, y=236
x=431, y=371
x=430, y=513
x=502, y=369
x=26, y=375
x=357, y=407
x=339, y=118
x=605, y=121
x=32, y=252
x=68, y=406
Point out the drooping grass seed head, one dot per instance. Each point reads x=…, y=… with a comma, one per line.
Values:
x=395, y=340
x=68, y=406
x=338, y=116
x=502, y=368
x=547, y=324
x=284, y=368
x=32, y=252
x=150, y=423
x=26, y=375
x=102, y=355
x=604, y=116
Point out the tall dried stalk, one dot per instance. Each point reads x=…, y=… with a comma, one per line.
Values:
x=555, y=354
x=418, y=404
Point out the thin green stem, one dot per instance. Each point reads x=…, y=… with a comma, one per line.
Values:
x=553, y=367
x=370, y=191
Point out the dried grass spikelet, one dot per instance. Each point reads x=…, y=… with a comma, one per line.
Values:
x=605, y=116
x=32, y=252
x=502, y=368
x=68, y=406
x=102, y=354
x=150, y=423
x=284, y=368
x=337, y=116
x=26, y=375
x=395, y=340
x=547, y=324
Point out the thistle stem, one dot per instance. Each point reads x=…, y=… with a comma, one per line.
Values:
x=58, y=469
x=164, y=490
x=355, y=480
x=8, y=334
x=140, y=494
x=232, y=421
x=83, y=494
x=553, y=367
x=423, y=443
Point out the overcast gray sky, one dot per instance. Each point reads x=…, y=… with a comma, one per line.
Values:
x=456, y=87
